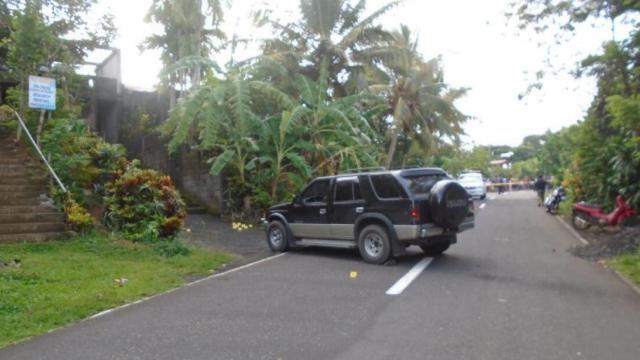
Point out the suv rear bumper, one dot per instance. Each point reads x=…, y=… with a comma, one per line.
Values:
x=413, y=232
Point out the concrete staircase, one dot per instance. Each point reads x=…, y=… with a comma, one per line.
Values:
x=26, y=213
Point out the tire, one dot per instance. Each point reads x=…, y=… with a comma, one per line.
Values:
x=580, y=220
x=374, y=244
x=483, y=196
x=434, y=250
x=277, y=238
x=448, y=204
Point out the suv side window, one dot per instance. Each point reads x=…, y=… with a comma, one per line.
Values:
x=386, y=186
x=347, y=190
x=317, y=193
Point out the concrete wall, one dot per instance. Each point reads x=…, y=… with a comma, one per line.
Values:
x=131, y=119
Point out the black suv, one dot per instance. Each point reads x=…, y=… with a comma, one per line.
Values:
x=379, y=212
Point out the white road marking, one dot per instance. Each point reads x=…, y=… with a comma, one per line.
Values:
x=213, y=276
x=482, y=205
x=406, y=280
x=571, y=230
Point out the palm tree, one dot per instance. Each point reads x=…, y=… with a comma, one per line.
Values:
x=421, y=106
x=331, y=31
x=190, y=26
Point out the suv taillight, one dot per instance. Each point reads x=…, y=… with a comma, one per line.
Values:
x=414, y=213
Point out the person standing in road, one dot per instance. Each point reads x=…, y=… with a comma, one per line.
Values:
x=540, y=186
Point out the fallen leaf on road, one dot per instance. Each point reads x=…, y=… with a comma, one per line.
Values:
x=353, y=274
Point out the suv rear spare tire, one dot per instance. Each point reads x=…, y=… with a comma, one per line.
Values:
x=449, y=204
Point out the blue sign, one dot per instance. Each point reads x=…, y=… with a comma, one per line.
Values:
x=42, y=93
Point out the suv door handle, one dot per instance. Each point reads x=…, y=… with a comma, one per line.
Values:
x=323, y=211
x=359, y=209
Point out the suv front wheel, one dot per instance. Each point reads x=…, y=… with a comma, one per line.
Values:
x=277, y=236
x=374, y=244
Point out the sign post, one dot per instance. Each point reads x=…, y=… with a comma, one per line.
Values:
x=42, y=93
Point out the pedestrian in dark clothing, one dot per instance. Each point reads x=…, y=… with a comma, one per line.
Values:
x=540, y=186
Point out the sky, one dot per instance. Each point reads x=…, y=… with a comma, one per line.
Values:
x=480, y=50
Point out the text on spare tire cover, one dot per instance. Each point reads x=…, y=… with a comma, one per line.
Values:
x=456, y=203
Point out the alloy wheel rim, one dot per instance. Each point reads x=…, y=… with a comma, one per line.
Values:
x=276, y=237
x=373, y=245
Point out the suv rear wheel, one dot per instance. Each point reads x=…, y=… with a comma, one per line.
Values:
x=442, y=244
x=374, y=244
x=277, y=236
x=434, y=250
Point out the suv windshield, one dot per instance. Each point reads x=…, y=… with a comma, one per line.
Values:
x=421, y=185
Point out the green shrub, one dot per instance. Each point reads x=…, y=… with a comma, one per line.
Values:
x=83, y=160
x=143, y=204
x=171, y=248
x=77, y=216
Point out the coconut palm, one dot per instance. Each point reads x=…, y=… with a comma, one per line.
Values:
x=421, y=107
x=332, y=31
x=190, y=26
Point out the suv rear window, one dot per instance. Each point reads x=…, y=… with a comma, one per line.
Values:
x=386, y=187
x=422, y=184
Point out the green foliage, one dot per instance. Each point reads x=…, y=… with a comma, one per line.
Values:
x=557, y=153
x=187, y=40
x=421, y=111
x=83, y=160
x=331, y=91
x=77, y=216
x=275, y=146
x=59, y=283
x=598, y=158
x=333, y=32
x=629, y=265
x=171, y=248
x=143, y=204
x=456, y=161
x=54, y=34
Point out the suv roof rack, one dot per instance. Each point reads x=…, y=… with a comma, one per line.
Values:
x=404, y=167
x=359, y=170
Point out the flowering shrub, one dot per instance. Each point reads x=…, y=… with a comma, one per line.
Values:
x=143, y=204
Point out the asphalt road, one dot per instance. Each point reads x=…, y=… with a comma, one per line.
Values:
x=507, y=290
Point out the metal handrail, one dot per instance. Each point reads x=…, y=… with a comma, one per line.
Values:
x=51, y=171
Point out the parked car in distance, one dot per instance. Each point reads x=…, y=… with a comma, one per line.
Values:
x=474, y=184
x=378, y=212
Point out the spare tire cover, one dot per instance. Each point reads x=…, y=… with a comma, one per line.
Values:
x=448, y=203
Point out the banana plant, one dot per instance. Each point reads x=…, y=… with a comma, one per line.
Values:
x=218, y=118
x=338, y=130
x=280, y=149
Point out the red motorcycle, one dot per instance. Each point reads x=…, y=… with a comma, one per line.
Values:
x=585, y=215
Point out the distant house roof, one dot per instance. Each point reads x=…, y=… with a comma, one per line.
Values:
x=499, y=162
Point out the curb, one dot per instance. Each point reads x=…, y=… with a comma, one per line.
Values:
x=618, y=274
x=626, y=280
x=572, y=230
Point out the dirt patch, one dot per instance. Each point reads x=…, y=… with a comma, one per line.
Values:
x=608, y=243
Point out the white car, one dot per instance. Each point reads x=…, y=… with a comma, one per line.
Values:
x=474, y=184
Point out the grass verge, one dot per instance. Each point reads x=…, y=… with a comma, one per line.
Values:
x=628, y=265
x=58, y=283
